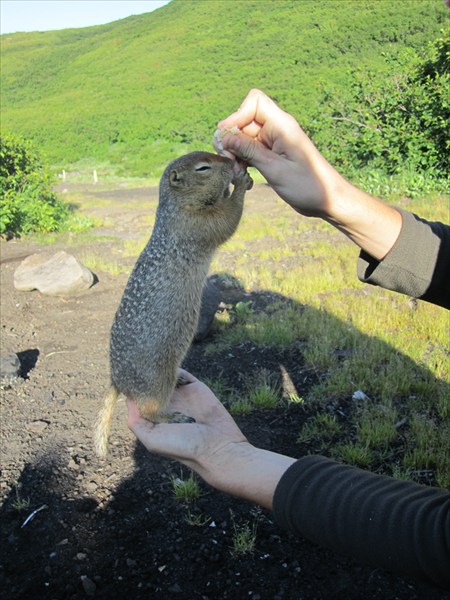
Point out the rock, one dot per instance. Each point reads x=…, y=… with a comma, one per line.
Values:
x=9, y=370
x=88, y=585
x=60, y=274
x=37, y=426
x=91, y=486
x=209, y=306
x=87, y=504
x=73, y=465
x=360, y=395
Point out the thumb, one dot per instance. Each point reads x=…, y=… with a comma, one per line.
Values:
x=247, y=149
x=133, y=413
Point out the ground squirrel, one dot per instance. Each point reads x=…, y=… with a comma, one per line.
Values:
x=157, y=316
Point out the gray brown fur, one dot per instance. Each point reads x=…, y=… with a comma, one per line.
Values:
x=157, y=316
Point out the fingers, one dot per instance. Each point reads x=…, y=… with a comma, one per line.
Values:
x=186, y=376
x=133, y=414
x=266, y=132
x=247, y=149
x=194, y=399
x=254, y=111
x=225, y=153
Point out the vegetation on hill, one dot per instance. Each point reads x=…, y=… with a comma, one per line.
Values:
x=139, y=91
x=397, y=125
x=27, y=202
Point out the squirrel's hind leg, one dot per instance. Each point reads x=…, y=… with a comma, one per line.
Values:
x=150, y=409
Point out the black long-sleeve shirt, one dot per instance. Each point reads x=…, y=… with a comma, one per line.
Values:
x=398, y=525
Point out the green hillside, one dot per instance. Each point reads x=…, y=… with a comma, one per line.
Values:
x=139, y=91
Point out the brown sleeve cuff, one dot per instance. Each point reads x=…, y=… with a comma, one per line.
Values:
x=409, y=267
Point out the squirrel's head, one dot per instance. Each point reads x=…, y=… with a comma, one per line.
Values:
x=197, y=181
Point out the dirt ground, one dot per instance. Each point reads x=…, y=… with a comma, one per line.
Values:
x=112, y=528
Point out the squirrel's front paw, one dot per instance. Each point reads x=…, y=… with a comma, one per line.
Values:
x=243, y=179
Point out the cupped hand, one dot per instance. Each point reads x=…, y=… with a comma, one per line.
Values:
x=194, y=444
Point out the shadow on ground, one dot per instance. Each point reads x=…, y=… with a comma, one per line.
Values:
x=138, y=542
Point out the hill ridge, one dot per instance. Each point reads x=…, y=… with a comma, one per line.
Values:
x=142, y=89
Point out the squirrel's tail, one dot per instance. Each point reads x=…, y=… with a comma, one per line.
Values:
x=103, y=425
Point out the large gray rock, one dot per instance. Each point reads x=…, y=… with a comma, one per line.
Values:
x=60, y=274
x=9, y=370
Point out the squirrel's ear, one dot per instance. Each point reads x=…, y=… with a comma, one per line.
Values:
x=175, y=179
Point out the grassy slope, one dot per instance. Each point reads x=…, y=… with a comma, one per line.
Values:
x=352, y=336
x=143, y=89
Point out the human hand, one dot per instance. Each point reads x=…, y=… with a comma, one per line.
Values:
x=213, y=446
x=197, y=445
x=272, y=141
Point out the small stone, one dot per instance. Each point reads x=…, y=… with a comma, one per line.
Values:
x=9, y=370
x=131, y=563
x=60, y=274
x=37, y=426
x=360, y=395
x=88, y=585
x=91, y=486
x=81, y=556
x=73, y=465
x=86, y=505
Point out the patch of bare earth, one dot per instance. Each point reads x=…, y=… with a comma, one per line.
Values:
x=113, y=529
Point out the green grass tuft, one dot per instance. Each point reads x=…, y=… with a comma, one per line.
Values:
x=186, y=490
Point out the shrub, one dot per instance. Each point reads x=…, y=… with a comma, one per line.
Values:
x=27, y=200
x=397, y=124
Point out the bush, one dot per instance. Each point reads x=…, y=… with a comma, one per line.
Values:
x=27, y=201
x=397, y=124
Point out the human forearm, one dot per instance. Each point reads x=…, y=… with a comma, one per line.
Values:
x=314, y=188
x=368, y=222
x=213, y=446
x=242, y=470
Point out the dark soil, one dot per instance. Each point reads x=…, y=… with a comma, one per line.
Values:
x=113, y=528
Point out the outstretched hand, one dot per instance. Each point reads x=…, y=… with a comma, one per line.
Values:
x=274, y=143
x=193, y=444
x=213, y=446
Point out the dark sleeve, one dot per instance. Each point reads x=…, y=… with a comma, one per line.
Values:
x=417, y=265
x=396, y=525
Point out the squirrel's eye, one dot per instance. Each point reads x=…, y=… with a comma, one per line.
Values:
x=203, y=167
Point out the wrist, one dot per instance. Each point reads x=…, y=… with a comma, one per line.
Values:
x=243, y=470
x=370, y=223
